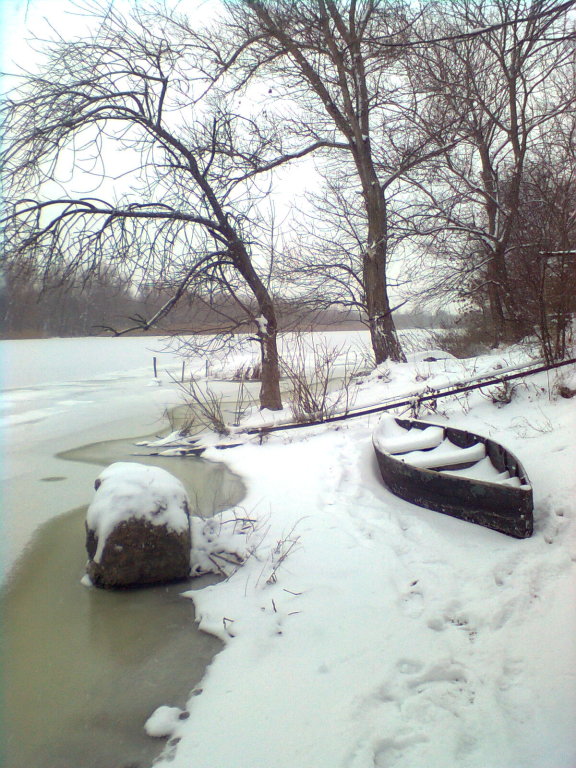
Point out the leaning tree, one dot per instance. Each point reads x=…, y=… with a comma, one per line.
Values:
x=135, y=110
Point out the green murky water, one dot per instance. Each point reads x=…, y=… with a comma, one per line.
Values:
x=84, y=668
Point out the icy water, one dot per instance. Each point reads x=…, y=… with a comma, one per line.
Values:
x=84, y=668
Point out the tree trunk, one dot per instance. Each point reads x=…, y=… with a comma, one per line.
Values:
x=383, y=334
x=506, y=322
x=497, y=320
x=267, y=331
x=503, y=309
x=270, y=396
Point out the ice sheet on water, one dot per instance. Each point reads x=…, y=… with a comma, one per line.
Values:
x=29, y=417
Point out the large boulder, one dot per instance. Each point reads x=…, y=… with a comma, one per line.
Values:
x=137, y=527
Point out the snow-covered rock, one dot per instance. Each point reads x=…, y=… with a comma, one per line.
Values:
x=137, y=527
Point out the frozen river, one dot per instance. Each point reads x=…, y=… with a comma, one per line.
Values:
x=85, y=668
x=60, y=394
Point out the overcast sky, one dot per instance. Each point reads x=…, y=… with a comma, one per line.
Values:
x=19, y=18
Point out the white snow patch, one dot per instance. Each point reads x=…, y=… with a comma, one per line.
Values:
x=390, y=437
x=162, y=722
x=444, y=455
x=222, y=543
x=262, y=324
x=485, y=471
x=365, y=632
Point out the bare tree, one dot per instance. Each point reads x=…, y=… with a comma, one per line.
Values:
x=506, y=86
x=322, y=56
x=175, y=172
x=542, y=260
x=323, y=254
x=63, y=306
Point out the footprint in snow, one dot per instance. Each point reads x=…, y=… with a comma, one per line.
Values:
x=387, y=752
x=413, y=603
x=409, y=666
x=444, y=672
x=455, y=616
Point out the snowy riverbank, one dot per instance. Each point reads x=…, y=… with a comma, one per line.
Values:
x=364, y=632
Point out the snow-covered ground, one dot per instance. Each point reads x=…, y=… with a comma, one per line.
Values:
x=365, y=632
x=362, y=631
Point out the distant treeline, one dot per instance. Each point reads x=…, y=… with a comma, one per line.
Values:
x=108, y=305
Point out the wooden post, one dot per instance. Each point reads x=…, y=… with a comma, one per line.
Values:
x=155, y=371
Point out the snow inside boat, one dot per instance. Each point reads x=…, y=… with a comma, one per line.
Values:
x=455, y=472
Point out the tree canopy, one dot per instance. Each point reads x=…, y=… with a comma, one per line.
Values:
x=150, y=148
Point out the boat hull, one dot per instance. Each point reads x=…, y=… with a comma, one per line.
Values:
x=502, y=508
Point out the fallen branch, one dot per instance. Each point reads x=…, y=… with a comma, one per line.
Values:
x=478, y=383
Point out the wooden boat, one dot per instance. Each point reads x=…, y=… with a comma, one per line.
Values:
x=455, y=472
